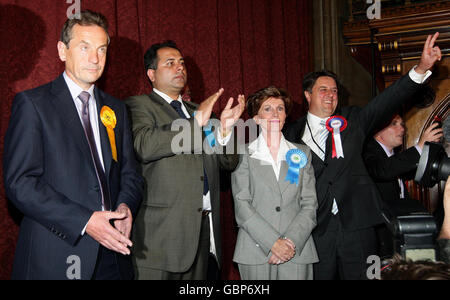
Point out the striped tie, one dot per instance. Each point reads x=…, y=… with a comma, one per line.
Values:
x=101, y=176
x=323, y=134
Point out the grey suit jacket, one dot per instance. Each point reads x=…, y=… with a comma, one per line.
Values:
x=167, y=228
x=266, y=209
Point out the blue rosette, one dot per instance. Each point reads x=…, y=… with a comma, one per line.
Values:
x=296, y=160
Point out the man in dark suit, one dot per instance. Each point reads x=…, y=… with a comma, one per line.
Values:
x=179, y=222
x=389, y=170
x=69, y=166
x=348, y=199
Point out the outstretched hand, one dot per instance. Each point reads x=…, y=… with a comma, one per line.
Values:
x=430, y=54
x=206, y=107
x=229, y=116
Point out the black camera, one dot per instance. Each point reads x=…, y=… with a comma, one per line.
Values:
x=434, y=165
x=414, y=230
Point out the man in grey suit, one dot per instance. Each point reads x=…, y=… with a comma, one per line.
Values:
x=179, y=222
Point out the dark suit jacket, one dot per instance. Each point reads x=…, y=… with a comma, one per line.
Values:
x=385, y=170
x=346, y=179
x=50, y=176
x=167, y=229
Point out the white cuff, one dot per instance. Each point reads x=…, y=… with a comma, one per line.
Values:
x=84, y=230
x=223, y=140
x=419, y=78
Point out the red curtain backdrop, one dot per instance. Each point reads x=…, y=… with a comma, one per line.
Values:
x=240, y=45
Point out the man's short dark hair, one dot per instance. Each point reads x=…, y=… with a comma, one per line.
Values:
x=310, y=79
x=398, y=268
x=86, y=18
x=151, y=55
x=255, y=100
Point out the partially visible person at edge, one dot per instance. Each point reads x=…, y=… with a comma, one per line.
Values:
x=69, y=167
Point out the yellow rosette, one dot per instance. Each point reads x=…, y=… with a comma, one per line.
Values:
x=108, y=118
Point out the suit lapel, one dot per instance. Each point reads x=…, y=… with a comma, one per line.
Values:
x=191, y=108
x=104, y=139
x=263, y=169
x=282, y=182
x=65, y=108
x=164, y=105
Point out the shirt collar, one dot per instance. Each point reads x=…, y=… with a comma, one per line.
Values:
x=258, y=149
x=75, y=89
x=388, y=152
x=314, y=121
x=165, y=96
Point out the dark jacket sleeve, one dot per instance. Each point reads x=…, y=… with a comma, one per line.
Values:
x=23, y=170
x=383, y=168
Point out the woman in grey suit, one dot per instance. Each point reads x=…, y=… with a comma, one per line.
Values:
x=275, y=197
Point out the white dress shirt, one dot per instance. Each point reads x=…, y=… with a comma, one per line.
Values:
x=261, y=151
x=316, y=129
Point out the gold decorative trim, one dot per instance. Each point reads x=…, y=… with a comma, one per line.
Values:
x=391, y=69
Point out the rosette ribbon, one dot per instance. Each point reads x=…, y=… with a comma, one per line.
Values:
x=207, y=129
x=108, y=118
x=296, y=160
x=336, y=125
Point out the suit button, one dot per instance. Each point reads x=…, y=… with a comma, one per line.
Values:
x=278, y=208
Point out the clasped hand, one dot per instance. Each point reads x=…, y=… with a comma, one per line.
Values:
x=115, y=238
x=282, y=251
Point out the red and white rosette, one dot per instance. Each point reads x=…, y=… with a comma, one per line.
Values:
x=336, y=124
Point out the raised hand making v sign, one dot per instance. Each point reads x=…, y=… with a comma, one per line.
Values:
x=430, y=54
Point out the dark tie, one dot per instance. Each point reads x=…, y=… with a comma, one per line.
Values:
x=177, y=106
x=84, y=97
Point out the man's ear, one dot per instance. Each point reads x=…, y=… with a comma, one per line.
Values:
x=307, y=97
x=151, y=75
x=62, y=48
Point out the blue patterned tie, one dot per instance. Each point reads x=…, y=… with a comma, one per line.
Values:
x=177, y=106
x=84, y=97
x=323, y=135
